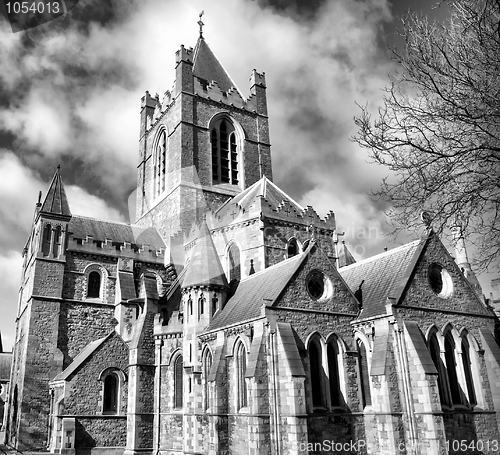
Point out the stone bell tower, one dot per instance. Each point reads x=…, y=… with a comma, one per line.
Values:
x=201, y=144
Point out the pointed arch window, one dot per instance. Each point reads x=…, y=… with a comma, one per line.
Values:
x=451, y=366
x=333, y=374
x=207, y=364
x=160, y=164
x=436, y=358
x=234, y=258
x=316, y=371
x=364, y=376
x=466, y=361
x=94, y=285
x=178, y=381
x=46, y=239
x=241, y=366
x=224, y=153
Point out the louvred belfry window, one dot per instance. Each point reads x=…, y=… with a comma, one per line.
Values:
x=160, y=171
x=224, y=153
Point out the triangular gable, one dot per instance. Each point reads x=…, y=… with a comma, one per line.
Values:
x=415, y=290
x=81, y=358
x=261, y=288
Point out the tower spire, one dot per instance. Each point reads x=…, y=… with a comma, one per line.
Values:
x=201, y=24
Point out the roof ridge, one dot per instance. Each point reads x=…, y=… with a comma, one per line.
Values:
x=383, y=254
x=124, y=223
x=275, y=266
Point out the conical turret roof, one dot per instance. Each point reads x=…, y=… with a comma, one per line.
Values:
x=204, y=268
x=56, y=201
x=206, y=66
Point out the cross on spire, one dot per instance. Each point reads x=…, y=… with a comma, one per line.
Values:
x=201, y=24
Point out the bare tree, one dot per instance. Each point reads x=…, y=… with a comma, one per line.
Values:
x=439, y=127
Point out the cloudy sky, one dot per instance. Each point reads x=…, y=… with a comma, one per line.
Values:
x=70, y=93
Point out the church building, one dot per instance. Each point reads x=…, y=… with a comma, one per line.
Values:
x=229, y=319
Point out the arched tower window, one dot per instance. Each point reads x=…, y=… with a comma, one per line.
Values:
x=224, y=153
x=436, y=358
x=207, y=364
x=316, y=371
x=292, y=248
x=364, y=376
x=160, y=164
x=46, y=239
x=178, y=379
x=110, y=402
x=333, y=374
x=466, y=360
x=234, y=259
x=241, y=366
x=451, y=366
x=56, y=246
x=94, y=285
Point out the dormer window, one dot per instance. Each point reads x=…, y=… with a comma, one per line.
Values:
x=160, y=164
x=224, y=153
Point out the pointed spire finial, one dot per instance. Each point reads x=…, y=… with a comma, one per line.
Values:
x=201, y=24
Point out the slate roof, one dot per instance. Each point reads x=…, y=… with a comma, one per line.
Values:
x=81, y=227
x=263, y=287
x=81, y=358
x=345, y=256
x=206, y=66
x=56, y=201
x=5, y=364
x=204, y=267
x=384, y=275
x=262, y=188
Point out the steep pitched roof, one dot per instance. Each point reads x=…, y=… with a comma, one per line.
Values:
x=206, y=66
x=204, y=267
x=384, y=275
x=56, y=201
x=345, y=256
x=262, y=188
x=81, y=227
x=263, y=287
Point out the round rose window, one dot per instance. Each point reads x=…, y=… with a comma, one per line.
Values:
x=440, y=280
x=318, y=285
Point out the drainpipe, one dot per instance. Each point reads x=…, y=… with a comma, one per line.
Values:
x=159, y=344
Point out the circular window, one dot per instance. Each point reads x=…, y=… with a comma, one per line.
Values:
x=440, y=280
x=318, y=285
